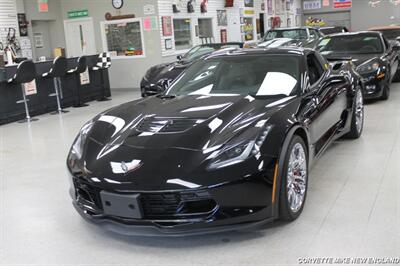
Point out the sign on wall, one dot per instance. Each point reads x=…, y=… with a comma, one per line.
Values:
x=342, y=3
x=325, y=3
x=312, y=4
x=149, y=10
x=43, y=6
x=78, y=13
x=166, y=25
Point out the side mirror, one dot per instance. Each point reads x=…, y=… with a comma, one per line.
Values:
x=179, y=57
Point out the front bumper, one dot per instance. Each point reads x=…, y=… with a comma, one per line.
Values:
x=234, y=206
x=372, y=86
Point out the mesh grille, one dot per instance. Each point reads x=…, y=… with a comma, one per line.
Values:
x=158, y=125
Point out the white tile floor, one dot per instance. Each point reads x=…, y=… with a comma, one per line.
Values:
x=353, y=205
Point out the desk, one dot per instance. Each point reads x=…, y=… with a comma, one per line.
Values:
x=41, y=103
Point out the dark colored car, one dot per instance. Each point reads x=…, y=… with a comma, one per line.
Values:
x=278, y=42
x=333, y=30
x=228, y=146
x=304, y=36
x=391, y=33
x=376, y=59
x=158, y=77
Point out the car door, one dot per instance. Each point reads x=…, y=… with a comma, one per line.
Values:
x=391, y=56
x=327, y=100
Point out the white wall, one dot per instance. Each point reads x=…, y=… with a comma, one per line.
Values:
x=8, y=18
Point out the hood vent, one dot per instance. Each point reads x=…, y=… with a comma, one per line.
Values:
x=166, y=125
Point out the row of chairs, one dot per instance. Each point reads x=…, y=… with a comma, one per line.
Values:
x=26, y=73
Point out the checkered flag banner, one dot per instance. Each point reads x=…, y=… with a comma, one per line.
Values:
x=103, y=62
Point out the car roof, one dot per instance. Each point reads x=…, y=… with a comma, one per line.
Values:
x=221, y=44
x=355, y=33
x=295, y=28
x=261, y=51
x=391, y=27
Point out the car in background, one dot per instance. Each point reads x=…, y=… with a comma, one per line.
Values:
x=333, y=30
x=391, y=33
x=375, y=59
x=158, y=77
x=228, y=146
x=303, y=36
x=278, y=42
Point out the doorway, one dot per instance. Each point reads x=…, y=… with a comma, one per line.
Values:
x=261, y=26
x=79, y=36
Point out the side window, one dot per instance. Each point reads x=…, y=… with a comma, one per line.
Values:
x=313, y=34
x=314, y=69
x=387, y=45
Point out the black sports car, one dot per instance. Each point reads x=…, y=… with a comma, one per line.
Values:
x=158, y=77
x=303, y=36
x=227, y=146
x=376, y=59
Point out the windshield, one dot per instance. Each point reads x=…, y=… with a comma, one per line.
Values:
x=199, y=51
x=297, y=34
x=391, y=34
x=350, y=44
x=257, y=75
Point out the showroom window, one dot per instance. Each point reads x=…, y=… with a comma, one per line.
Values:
x=183, y=34
x=123, y=38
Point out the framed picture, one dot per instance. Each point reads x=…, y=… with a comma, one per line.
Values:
x=249, y=3
x=222, y=18
x=166, y=25
x=269, y=7
x=168, y=44
x=224, y=36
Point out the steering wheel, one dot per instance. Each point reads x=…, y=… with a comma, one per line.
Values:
x=368, y=48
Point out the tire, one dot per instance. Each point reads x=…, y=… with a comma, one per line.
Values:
x=385, y=93
x=357, y=118
x=288, y=209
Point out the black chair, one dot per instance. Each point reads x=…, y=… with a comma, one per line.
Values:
x=103, y=62
x=58, y=70
x=26, y=72
x=80, y=68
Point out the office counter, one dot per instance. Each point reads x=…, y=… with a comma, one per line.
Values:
x=41, y=103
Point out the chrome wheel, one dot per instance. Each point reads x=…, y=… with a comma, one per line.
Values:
x=359, y=111
x=296, y=177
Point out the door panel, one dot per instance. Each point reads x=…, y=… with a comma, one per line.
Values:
x=79, y=35
x=328, y=103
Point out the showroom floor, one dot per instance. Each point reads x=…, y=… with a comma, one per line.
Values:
x=352, y=209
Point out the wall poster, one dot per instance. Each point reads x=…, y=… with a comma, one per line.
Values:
x=248, y=29
x=224, y=36
x=167, y=25
x=222, y=18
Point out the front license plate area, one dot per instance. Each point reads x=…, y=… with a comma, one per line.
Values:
x=126, y=206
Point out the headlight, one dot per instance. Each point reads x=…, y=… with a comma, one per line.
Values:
x=240, y=148
x=77, y=147
x=368, y=67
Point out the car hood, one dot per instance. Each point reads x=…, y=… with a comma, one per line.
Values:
x=167, y=71
x=197, y=121
x=123, y=153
